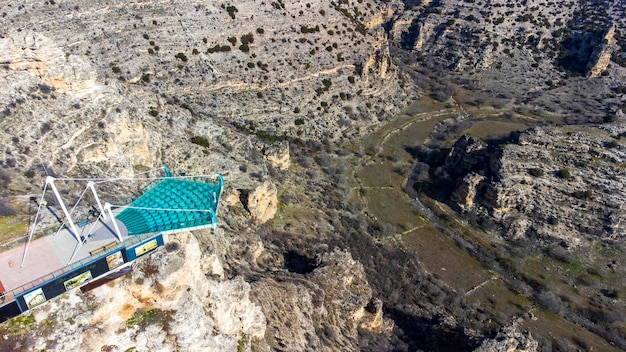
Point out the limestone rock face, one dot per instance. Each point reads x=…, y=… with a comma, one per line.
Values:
x=174, y=299
x=602, y=55
x=517, y=56
x=335, y=298
x=562, y=183
x=216, y=291
x=126, y=142
x=276, y=154
x=510, y=339
x=114, y=89
x=34, y=53
x=263, y=202
x=465, y=192
x=468, y=153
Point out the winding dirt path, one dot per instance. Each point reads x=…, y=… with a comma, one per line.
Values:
x=493, y=287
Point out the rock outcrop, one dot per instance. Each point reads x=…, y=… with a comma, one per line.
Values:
x=175, y=299
x=333, y=298
x=601, y=57
x=467, y=154
x=262, y=203
x=559, y=183
x=33, y=53
x=465, y=192
x=510, y=339
x=276, y=154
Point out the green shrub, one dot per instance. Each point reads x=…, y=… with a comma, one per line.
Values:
x=231, y=11
x=247, y=38
x=306, y=29
x=564, y=173
x=536, y=172
x=182, y=57
x=201, y=141
x=218, y=48
x=299, y=121
x=186, y=107
x=142, y=319
x=583, y=195
x=280, y=4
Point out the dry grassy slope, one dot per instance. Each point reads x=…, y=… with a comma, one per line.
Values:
x=109, y=88
x=537, y=53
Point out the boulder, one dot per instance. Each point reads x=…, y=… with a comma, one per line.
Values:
x=262, y=203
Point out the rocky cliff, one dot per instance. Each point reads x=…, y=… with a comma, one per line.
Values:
x=186, y=297
x=114, y=88
x=560, y=183
x=108, y=89
x=537, y=54
x=509, y=339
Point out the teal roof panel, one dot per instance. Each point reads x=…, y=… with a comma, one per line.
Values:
x=174, y=204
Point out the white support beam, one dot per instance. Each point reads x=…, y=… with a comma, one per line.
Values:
x=33, y=225
x=91, y=186
x=50, y=181
x=118, y=233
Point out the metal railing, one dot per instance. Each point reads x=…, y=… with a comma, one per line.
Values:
x=9, y=295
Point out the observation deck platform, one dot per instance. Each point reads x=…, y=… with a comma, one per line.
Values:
x=118, y=233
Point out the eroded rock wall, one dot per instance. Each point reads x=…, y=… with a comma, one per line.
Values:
x=186, y=297
x=560, y=183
